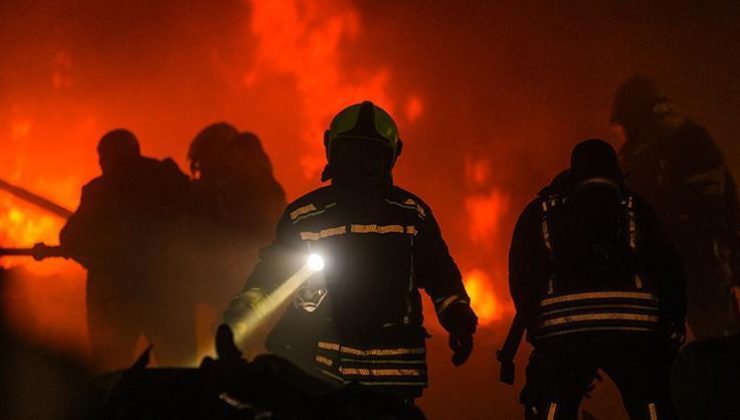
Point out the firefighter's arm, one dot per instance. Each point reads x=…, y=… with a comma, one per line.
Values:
x=277, y=262
x=441, y=278
x=528, y=262
x=703, y=179
x=78, y=235
x=728, y=248
x=665, y=267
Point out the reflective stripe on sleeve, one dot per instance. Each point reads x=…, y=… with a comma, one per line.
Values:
x=444, y=303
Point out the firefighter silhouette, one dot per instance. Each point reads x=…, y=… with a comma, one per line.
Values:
x=674, y=164
x=598, y=286
x=235, y=203
x=121, y=233
x=360, y=321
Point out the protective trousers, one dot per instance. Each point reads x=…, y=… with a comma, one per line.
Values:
x=558, y=377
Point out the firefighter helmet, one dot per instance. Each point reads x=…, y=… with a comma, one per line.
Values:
x=363, y=121
x=637, y=100
x=119, y=142
x=209, y=148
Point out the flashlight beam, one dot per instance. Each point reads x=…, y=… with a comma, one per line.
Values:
x=264, y=309
x=270, y=304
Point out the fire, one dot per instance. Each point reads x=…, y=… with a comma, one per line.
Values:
x=21, y=226
x=484, y=212
x=482, y=297
x=304, y=40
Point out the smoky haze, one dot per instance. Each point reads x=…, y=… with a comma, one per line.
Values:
x=489, y=97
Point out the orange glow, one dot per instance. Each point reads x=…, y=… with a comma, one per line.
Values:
x=414, y=109
x=303, y=39
x=482, y=297
x=484, y=214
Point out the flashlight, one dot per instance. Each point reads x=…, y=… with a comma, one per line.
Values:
x=315, y=262
x=274, y=301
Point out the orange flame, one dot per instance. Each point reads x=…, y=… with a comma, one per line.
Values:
x=304, y=40
x=482, y=297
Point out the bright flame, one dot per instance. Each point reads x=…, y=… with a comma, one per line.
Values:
x=304, y=40
x=482, y=297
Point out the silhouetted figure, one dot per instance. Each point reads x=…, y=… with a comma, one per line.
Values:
x=122, y=233
x=674, y=164
x=599, y=287
x=360, y=320
x=235, y=204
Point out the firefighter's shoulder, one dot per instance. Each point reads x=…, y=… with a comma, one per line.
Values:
x=404, y=199
x=93, y=187
x=312, y=203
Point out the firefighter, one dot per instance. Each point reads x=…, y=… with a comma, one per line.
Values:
x=598, y=286
x=674, y=164
x=121, y=234
x=360, y=320
x=235, y=203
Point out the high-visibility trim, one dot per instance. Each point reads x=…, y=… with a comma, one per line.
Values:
x=371, y=352
x=382, y=352
x=552, y=410
x=652, y=410
x=382, y=229
x=381, y=372
x=598, y=180
x=333, y=376
x=385, y=383
x=416, y=383
x=638, y=281
x=546, y=235
x=324, y=233
x=328, y=346
x=613, y=306
x=443, y=304
x=301, y=211
x=313, y=213
x=380, y=362
x=599, y=295
x=582, y=329
x=614, y=316
x=324, y=361
x=409, y=205
x=377, y=229
x=631, y=223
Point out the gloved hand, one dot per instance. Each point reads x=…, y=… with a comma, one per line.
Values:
x=241, y=305
x=462, y=347
x=460, y=321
